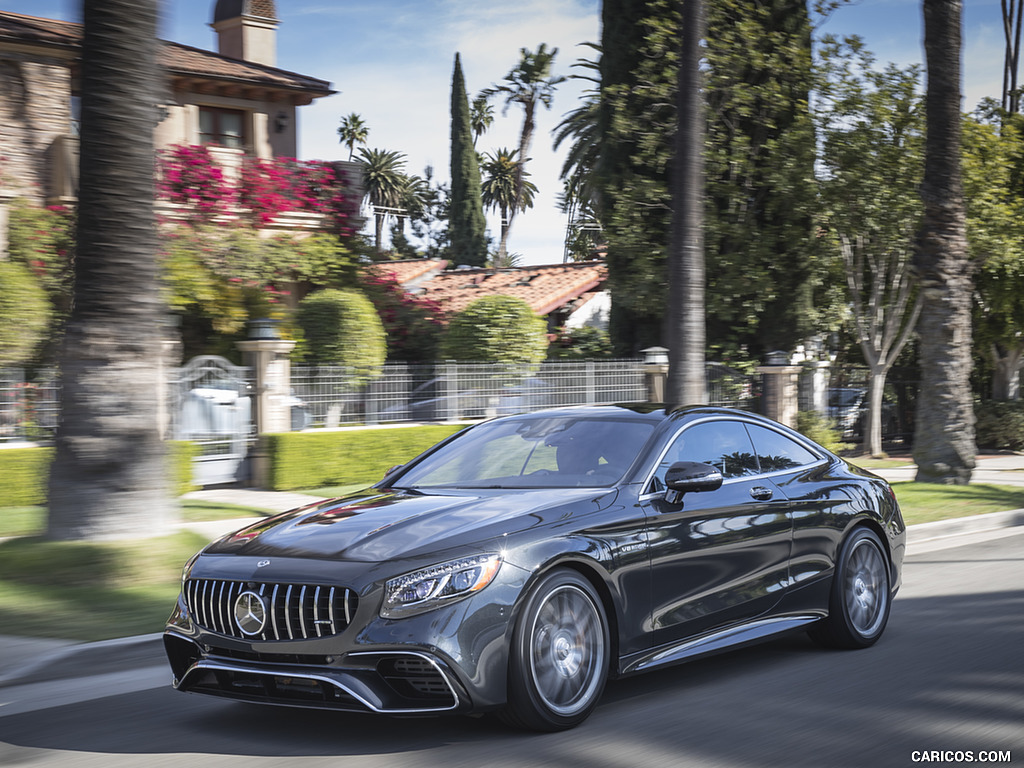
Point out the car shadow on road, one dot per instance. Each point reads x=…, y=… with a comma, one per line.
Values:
x=947, y=675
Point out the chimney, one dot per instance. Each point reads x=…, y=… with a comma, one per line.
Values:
x=247, y=29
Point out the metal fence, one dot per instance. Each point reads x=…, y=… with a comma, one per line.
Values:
x=203, y=393
x=449, y=391
x=29, y=410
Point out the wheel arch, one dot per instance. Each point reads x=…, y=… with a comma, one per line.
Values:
x=594, y=574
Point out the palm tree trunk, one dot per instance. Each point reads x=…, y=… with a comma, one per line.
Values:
x=944, y=447
x=686, y=373
x=108, y=478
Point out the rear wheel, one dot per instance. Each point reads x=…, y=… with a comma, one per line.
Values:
x=860, y=599
x=559, y=658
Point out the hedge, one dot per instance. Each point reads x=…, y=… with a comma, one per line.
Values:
x=1000, y=424
x=23, y=473
x=316, y=459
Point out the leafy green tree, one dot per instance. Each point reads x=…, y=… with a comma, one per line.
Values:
x=528, y=84
x=24, y=314
x=501, y=168
x=343, y=328
x=993, y=169
x=759, y=164
x=466, y=223
x=583, y=343
x=636, y=123
x=496, y=329
x=385, y=185
x=763, y=261
x=872, y=130
x=352, y=131
x=944, y=446
x=108, y=478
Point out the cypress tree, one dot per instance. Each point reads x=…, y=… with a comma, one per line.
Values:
x=467, y=227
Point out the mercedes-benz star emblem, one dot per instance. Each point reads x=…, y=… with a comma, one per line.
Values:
x=250, y=613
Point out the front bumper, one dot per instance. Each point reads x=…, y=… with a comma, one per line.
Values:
x=383, y=682
x=452, y=659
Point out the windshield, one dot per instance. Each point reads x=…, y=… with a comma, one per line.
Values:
x=540, y=452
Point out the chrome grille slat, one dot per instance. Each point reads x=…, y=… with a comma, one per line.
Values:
x=294, y=611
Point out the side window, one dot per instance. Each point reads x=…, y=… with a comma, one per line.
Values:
x=723, y=444
x=777, y=452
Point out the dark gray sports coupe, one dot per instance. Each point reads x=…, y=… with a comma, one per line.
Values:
x=521, y=563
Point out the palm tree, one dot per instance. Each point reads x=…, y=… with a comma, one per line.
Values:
x=579, y=198
x=108, y=478
x=944, y=448
x=528, y=84
x=686, y=330
x=481, y=116
x=501, y=169
x=352, y=131
x=385, y=185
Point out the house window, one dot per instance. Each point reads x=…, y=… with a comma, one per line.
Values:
x=223, y=127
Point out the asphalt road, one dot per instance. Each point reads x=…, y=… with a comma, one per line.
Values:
x=948, y=675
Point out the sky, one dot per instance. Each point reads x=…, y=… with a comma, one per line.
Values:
x=391, y=62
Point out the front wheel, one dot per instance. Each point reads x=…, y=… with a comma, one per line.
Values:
x=860, y=599
x=559, y=657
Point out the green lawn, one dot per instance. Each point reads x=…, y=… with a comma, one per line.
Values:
x=31, y=521
x=924, y=503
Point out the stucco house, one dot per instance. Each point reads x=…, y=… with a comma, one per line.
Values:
x=235, y=99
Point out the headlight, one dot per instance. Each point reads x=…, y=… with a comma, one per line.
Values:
x=432, y=587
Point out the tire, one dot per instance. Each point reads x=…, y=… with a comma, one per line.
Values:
x=558, y=662
x=861, y=596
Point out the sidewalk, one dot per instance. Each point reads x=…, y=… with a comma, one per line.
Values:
x=30, y=660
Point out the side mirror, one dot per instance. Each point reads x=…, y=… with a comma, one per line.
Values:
x=690, y=476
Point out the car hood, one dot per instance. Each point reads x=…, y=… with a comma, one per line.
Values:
x=387, y=525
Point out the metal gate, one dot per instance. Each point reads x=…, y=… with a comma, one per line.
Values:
x=213, y=409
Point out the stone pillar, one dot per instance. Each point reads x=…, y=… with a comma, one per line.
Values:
x=655, y=373
x=780, y=398
x=267, y=355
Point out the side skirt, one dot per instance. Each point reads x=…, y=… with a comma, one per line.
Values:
x=719, y=640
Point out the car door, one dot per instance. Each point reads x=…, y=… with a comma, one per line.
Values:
x=721, y=556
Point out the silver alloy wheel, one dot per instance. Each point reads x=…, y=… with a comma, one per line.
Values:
x=866, y=587
x=567, y=650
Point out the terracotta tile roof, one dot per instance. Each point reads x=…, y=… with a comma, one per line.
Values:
x=408, y=271
x=544, y=288
x=178, y=59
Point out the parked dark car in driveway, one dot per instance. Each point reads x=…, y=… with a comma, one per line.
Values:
x=521, y=563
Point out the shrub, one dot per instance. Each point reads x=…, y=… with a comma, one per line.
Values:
x=24, y=314
x=24, y=473
x=342, y=328
x=821, y=430
x=315, y=459
x=497, y=329
x=1000, y=424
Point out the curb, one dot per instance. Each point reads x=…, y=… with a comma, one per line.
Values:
x=138, y=651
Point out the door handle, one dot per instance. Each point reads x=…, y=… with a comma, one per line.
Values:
x=761, y=493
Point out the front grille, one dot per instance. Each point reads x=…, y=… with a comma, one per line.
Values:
x=292, y=611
